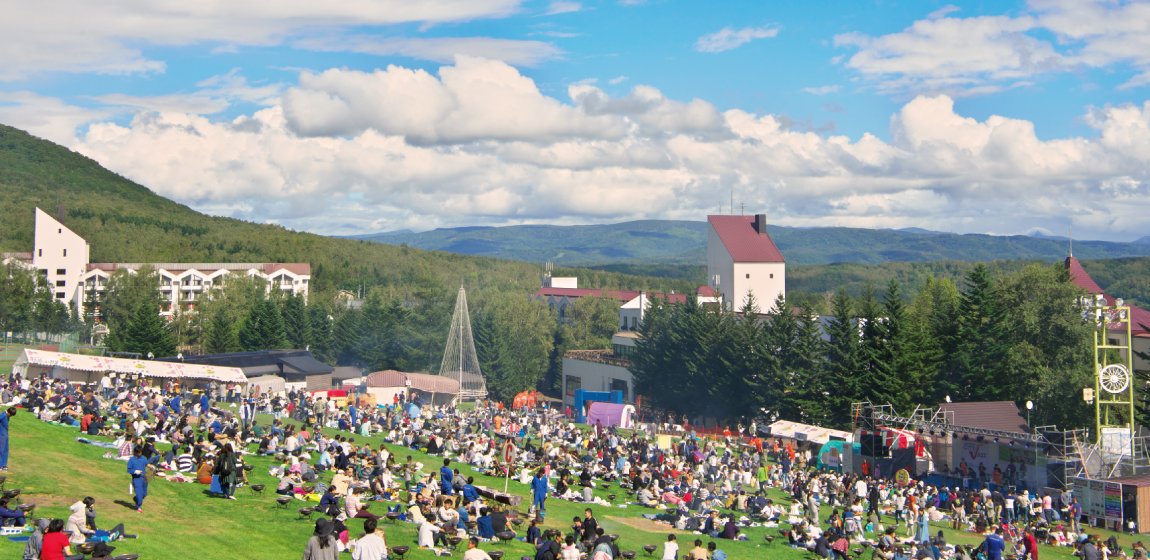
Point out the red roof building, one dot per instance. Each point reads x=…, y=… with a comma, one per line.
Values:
x=743, y=261
x=1139, y=317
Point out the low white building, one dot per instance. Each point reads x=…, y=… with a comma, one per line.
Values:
x=62, y=257
x=742, y=259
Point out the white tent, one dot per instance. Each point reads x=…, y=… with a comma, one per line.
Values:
x=807, y=432
x=268, y=384
x=86, y=369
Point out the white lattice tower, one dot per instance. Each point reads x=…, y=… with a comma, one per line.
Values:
x=459, y=358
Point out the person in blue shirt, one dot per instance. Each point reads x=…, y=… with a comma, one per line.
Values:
x=204, y=404
x=484, y=526
x=4, y=418
x=470, y=494
x=175, y=403
x=539, y=489
x=137, y=467
x=716, y=554
x=446, y=475
x=995, y=545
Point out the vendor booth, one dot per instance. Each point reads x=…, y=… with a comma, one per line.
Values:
x=424, y=387
x=80, y=368
x=611, y=414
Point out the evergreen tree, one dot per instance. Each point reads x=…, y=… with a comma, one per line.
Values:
x=320, y=328
x=843, y=362
x=263, y=329
x=297, y=328
x=806, y=377
x=877, y=383
x=220, y=334
x=895, y=352
x=143, y=332
x=743, y=380
x=347, y=331
x=980, y=351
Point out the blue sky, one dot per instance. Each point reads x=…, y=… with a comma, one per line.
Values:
x=995, y=117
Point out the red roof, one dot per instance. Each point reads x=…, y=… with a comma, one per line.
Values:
x=1139, y=318
x=1080, y=278
x=707, y=291
x=742, y=241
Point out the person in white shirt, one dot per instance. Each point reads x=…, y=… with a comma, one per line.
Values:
x=427, y=531
x=371, y=546
x=670, y=548
x=473, y=551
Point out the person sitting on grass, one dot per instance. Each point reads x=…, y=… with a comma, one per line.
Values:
x=10, y=517
x=474, y=552
x=55, y=545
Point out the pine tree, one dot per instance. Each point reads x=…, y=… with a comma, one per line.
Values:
x=297, y=329
x=143, y=332
x=980, y=350
x=263, y=329
x=320, y=328
x=843, y=362
x=220, y=334
x=806, y=376
x=876, y=380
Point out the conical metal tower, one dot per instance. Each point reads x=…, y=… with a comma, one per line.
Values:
x=459, y=358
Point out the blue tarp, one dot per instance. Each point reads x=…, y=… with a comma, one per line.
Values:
x=413, y=410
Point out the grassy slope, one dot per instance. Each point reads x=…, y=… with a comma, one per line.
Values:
x=54, y=471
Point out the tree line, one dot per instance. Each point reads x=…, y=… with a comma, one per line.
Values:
x=1017, y=335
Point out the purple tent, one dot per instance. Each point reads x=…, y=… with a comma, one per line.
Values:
x=610, y=414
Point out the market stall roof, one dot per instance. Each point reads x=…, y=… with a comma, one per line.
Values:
x=146, y=368
x=419, y=381
x=807, y=432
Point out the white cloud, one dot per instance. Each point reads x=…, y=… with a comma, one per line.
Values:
x=107, y=37
x=729, y=38
x=406, y=148
x=822, y=90
x=986, y=54
x=560, y=7
x=440, y=49
x=47, y=117
x=617, y=80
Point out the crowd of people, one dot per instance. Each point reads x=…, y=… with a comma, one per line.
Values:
x=715, y=487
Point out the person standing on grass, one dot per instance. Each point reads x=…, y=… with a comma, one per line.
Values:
x=226, y=467
x=4, y=418
x=446, y=477
x=138, y=467
x=539, y=489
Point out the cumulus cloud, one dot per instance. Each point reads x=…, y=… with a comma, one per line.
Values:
x=986, y=54
x=728, y=38
x=105, y=37
x=407, y=148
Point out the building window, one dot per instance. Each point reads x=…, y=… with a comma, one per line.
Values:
x=574, y=383
x=772, y=275
x=61, y=283
x=61, y=272
x=39, y=252
x=748, y=276
x=60, y=295
x=620, y=385
x=65, y=252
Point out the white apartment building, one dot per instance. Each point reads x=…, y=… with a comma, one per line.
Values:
x=62, y=257
x=743, y=259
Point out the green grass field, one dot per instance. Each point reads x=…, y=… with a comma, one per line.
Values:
x=53, y=470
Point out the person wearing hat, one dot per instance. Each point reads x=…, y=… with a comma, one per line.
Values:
x=322, y=544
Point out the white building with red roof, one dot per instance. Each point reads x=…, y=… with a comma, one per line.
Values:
x=742, y=259
x=61, y=256
x=1139, y=318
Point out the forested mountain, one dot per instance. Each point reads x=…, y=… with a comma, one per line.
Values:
x=408, y=293
x=654, y=242
x=115, y=214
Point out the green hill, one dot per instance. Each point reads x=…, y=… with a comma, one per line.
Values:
x=683, y=242
x=115, y=215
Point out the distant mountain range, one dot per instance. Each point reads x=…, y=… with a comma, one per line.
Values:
x=684, y=242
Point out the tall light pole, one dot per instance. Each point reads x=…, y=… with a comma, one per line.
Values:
x=1029, y=407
